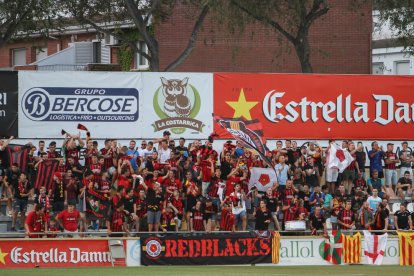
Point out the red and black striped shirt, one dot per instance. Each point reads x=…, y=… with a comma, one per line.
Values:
x=108, y=161
x=198, y=220
x=227, y=220
x=214, y=186
x=347, y=217
x=117, y=220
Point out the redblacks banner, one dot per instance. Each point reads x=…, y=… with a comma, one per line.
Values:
x=53, y=253
x=205, y=249
x=319, y=106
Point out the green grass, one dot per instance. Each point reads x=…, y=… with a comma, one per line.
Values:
x=356, y=270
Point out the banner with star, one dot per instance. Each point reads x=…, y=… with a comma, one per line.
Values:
x=310, y=106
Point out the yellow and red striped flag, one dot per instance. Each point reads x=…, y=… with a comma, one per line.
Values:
x=351, y=248
x=406, y=248
x=275, y=248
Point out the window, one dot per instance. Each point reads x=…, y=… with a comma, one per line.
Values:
x=41, y=53
x=402, y=67
x=378, y=68
x=141, y=61
x=19, y=56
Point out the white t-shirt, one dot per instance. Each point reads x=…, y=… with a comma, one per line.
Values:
x=241, y=204
x=373, y=202
x=164, y=155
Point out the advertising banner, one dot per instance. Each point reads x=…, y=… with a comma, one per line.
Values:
x=181, y=103
x=107, y=103
x=319, y=106
x=309, y=251
x=53, y=253
x=133, y=252
x=205, y=249
x=8, y=104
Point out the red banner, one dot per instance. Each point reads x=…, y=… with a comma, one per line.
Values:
x=53, y=253
x=319, y=106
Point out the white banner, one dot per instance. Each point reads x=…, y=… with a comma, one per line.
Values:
x=309, y=251
x=181, y=103
x=107, y=103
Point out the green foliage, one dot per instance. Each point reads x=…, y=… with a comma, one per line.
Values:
x=125, y=57
x=400, y=16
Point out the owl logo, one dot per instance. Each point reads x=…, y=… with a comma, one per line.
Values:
x=176, y=104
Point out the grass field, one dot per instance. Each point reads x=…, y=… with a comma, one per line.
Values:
x=356, y=270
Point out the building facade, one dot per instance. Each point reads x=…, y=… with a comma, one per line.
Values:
x=340, y=43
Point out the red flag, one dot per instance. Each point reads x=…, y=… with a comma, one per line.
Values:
x=82, y=127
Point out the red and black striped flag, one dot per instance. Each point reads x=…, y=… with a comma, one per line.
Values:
x=249, y=133
x=45, y=172
x=96, y=204
x=18, y=154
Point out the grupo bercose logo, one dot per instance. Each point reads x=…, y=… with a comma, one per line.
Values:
x=177, y=103
x=81, y=104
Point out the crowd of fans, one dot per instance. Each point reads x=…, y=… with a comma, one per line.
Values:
x=169, y=185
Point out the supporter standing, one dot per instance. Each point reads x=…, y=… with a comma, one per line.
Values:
x=365, y=216
x=282, y=170
x=116, y=222
x=36, y=222
x=380, y=221
x=133, y=154
x=391, y=160
x=317, y=221
x=346, y=218
x=406, y=158
x=350, y=172
x=238, y=197
x=263, y=217
x=331, y=173
x=21, y=190
x=154, y=204
x=69, y=219
x=197, y=217
x=376, y=154
x=361, y=157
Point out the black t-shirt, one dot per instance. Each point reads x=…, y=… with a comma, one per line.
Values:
x=129, y=204
x=360, y=159
x=402, y=180
x=225, y=169
x=271, y=203
x=317, y=222
x=23, y=188
x=261, y=217
x=154, y=200
x=306, y=198
x=293, y=155
x=311, y=180
x=59, y=191
x=181, y=149
x=402, y=219
x=13, y=177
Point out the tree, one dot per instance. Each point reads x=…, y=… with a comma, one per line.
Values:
x=141, y=15
x=399, y=14
x=291, y=18
x=24, y=17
